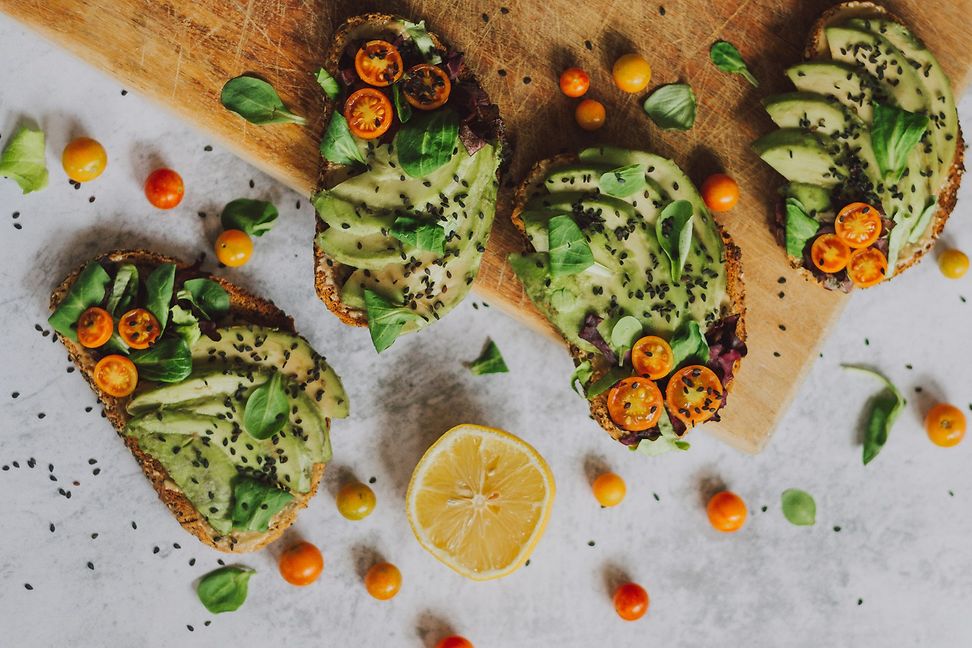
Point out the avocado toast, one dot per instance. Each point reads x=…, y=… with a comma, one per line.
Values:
x=871, y=146
x=225, y=408
x=411, y=166
x=626, y=262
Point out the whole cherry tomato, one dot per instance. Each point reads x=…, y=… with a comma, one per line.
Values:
x=164, y=188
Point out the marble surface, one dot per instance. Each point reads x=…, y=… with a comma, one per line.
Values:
x=887, y=563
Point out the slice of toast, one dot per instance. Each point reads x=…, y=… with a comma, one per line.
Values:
x=244, y=308
x=735, y=288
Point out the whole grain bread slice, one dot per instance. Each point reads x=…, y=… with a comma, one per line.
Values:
x=244, y=308
x=533, y=184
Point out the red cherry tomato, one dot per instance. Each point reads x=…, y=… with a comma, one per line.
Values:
x=574, y=82
x=302, y=564
x=631, y=601
x=455, y=641
x=164, y=188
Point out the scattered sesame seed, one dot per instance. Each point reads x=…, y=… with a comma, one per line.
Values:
x=124, y=92
x=207, y=148
x=589, y=45
x=837, y=529
x=28, y=586
x=527, y=80
x=90, y=565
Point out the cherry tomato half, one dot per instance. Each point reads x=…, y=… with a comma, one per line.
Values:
x=609, y=489
x=631, y=73
x=378, y=63
x=631, y=601
x=574, y=82
x=455, y=641
x=426, y=86
x=867, y=267
x=590, y=114
x=355, y=501
x=829, y=253
x=233, y=248
x=84, y=159
x=116, y=375
x=383, y=581
x=95, y=327
x=726, y=511
x=369, y=113
x=635, y=404
x=858, y=225
x=945, y=425
x=302, y=564
x=139, y=328
x=694, y=394
x=720, y=192
x=953, y=264
x=164, y=188
x=652, y=357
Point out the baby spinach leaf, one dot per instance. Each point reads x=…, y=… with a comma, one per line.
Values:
x=185, y=324
x=267, y=408
x=674, y=231
x=256, y=101
x=255, y=217
x=225, y=589
x=427, y=141
x=894, y=132
x=624, y=334
x=799, y=507
x=124, y=289
x=672, y=107
x=607, y=381
x=581, y=376
x=206, y=295
x=168, y=360
x=623, y=181
x=158, y=292
x=422, y=40
x=328, y=83
x=255, y=504
x=885, y=408
x=570, y=252
x=338, y=145
x=419, y=234
x=727, y=58
x=86, y=291
x=402, y=108
x=490, y=361
x=23, y=160
x=800, y=228
x=385, y=319
x=689, y=344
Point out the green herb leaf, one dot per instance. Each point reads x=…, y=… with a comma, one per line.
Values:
x=385, y=319
x=206, y=295
x=23, y=160
x=338, y=145
x=255, y=504
x=607, y=381
x=328, y=83
x=570, y=252
x=581, y=376
x=885, y=408
x=267, y=408
x=799, y=507
x=672, y=107
x=800, y=228
x=185, y=324
x=419, y=234
x=674, y=231
x=667, y=442
x=624, y=334
x=256, y=101
x=490, y=361
x=689, y=345
x=255, y=217
x=124, y=289
x=225, y=589
x=623, y=181
x=86, y=291
x=168, y=360
x=422, y=40
x=427, y=141
x=894, y=132
x=158, y=292
x=402, y=108
x=727, y=58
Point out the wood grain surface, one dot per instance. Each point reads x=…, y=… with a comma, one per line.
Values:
x=180, y=52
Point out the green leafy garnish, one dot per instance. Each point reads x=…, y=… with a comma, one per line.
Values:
x=169, y=360
x=23, y=160
x=607, y=381
x=185, y=324
x=570, y=252
x=623, y=181
x=689, y=344
x=894, y=132
x=158, y=292
x=624, y=334
x=799, y=507
x=266, y=408
x=338, y=145
x=402, y=108
x=385, y=319
x=581, y=376
x=328, y=83
x=800, y=228
x=419, y=234
x=123, y=289
x=672, y=107
x=427, y=141
x=674, y=231
x=255, y=217
x=885, y=408
x=422, y=40
x=256, y=101
x=86, y=291
x=490, y=361
x=667, y=442
x=225, y=589
x=206, y=295
x=727, y=58
x=255, y=504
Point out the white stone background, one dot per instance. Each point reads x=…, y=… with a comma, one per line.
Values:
x=898, y=573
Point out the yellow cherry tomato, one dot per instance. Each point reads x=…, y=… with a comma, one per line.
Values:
x=383, y=581
x=355, y=501
x=953, y=264
x=720, y=192
x=727, y=512
x=84, y=159
x=631, y=73
x=945, y=425
x=590, y=114
x=233, y=248
x=609, y=489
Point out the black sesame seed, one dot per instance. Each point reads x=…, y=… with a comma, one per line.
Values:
x=527, y=80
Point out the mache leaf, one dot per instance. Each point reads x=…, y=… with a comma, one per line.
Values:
x=894, y=132
x=225, y=589
x=800, y=228
x=419, y=234
x=623, y=181
x=385, y=319
x=884, y=411
x=267, y=408
x=256, y=101
x=338, y=145
x=86, y=291
x=689, y=345
x=123, y=289
x=570, y=252
x=581, y=376
x=674, y=231
x=490, y=361
x=328, y=83
x=607, y=381
x=624, y=334
x=209, y=297
x=422, y=40
x=727, y=58
x=427, y=141
x=255, y=503
x=255, y=217
x=158, y=292
x=672, y=106
x=169, y=360
x=23, y=160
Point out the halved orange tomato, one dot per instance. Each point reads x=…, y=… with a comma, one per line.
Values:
x=867, y=267
x=830, y=253
x=694, y=394
x=369, y=113
x=635, y=404
x=858, y=225
x=652, y=357
x=95, y=327
x=426, y=86
x=379, y=63
x=116, y=375
x=139, y=328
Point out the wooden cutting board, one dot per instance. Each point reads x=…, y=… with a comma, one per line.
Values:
x=180, y=52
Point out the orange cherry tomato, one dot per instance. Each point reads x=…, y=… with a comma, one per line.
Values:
x=631, y=601
x=631, y=73
x=95, y=327
x=635, y=404
x=652, y=357
x=609, y=489
x=945, y=425
x=867, y=267
x=164, y=188
x=727, y=512
x=590, y=114
x=379, y=63
x=116, y=375
x=694, y=394
x=574, y=82
x=720, y=192
x=369, y=113
x=426, y=86
x=233, y=248
x=829, y=253
x=858, y=225
x=139, y=328
x=302, y=564
x=455, y=641
x=383, y=581
x=84, y=159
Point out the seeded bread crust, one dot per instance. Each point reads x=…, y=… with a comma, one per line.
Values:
x=816, y=46
x=244, y=308
x=329, y=275
x=735, y=289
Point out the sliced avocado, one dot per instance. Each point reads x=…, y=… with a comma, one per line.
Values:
x=371, y=251
x=837, y=80
x=815, y=199
x=612, y=212
x=575, y=177
x=202, y=386
x=800, y=157
x=882, y=60
x=353, y=218
x=810, y=111
x=535, y=223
